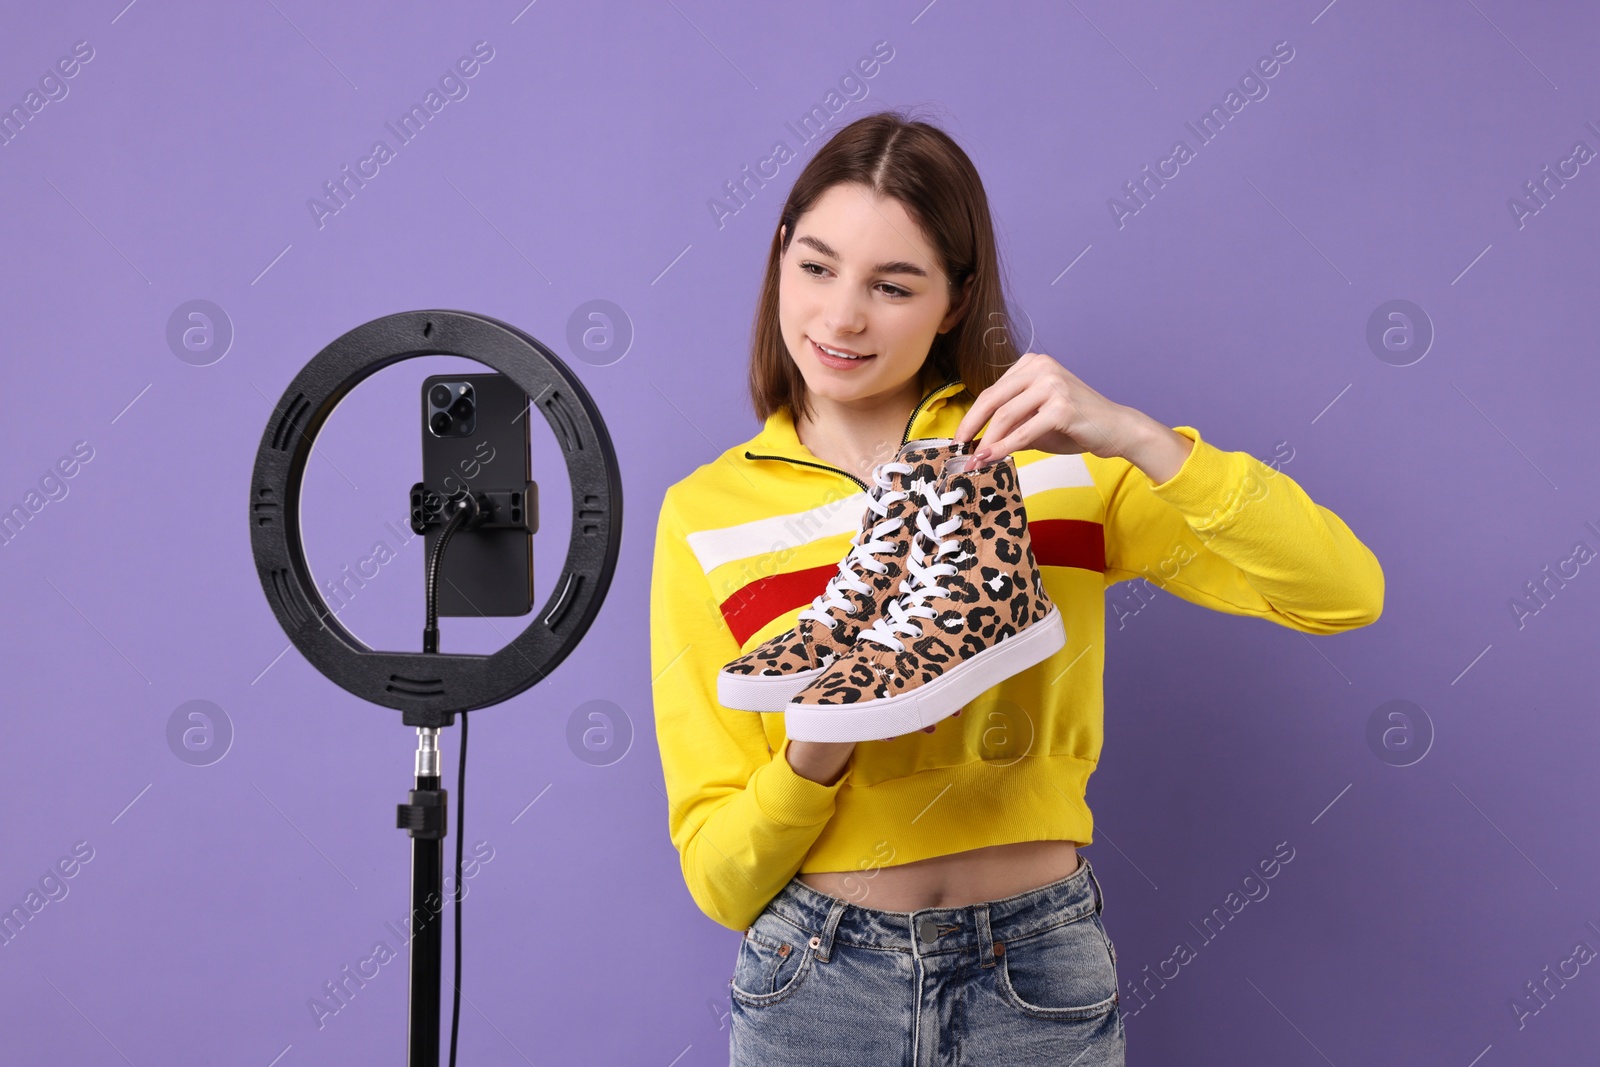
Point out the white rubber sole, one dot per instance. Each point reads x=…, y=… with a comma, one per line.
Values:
x=873, y=720
x=763, y=692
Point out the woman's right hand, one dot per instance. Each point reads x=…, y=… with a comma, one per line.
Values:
x=820, y=761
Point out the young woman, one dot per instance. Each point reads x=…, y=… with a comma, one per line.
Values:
x=922, y=898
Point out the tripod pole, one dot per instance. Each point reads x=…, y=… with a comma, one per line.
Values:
x=425, y=817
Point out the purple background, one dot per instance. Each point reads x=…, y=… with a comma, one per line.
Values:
x=581, y=166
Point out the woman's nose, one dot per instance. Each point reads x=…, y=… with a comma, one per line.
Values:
x=846, y=313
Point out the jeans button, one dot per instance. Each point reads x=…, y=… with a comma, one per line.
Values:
x=928, y=931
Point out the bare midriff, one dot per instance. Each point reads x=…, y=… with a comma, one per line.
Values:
x=954, y=881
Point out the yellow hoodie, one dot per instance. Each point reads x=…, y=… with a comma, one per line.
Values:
x=747, y=540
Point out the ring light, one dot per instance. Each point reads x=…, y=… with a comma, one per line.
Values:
x=428, y=688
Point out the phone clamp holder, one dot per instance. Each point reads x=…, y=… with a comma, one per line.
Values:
x=504, y=509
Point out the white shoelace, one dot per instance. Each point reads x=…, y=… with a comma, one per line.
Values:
x=863, y=554
x=923, y=583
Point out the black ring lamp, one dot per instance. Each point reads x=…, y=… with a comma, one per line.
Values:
x=428, y=689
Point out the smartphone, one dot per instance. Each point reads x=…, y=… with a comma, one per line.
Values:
x=475, y=437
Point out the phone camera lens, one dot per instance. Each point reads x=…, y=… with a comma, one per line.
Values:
x=440, y=395
x=462, y=408
x=440, y=423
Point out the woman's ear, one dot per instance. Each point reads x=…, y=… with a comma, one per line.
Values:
x=953, y=316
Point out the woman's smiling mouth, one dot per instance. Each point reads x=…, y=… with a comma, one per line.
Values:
x=837, y=357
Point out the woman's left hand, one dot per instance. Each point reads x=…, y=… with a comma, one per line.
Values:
x=1037, y=403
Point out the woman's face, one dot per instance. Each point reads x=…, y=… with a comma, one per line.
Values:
x=859, y=276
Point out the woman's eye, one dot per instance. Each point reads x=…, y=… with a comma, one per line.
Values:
x=889, y=290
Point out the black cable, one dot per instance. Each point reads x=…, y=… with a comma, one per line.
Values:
x=461, y=807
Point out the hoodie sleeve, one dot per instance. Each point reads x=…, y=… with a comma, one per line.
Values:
x=741, y=818
x=1231, y=533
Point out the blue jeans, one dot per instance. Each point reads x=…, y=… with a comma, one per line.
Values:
x=1029, y=979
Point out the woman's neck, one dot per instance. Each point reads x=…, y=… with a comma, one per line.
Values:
x=856, y=438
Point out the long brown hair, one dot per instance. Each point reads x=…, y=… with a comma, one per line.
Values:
x=920, y=166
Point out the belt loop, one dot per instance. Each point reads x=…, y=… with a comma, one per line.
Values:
x=1099, y=895
x=987, y=949
x=823, y=943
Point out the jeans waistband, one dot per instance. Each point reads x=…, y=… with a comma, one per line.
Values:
x=826, y=919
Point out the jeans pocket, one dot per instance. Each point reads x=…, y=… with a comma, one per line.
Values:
x=1065, y=972
x=774, y=959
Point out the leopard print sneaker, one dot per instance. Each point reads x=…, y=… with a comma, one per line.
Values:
x=764, y=678
x=973, y=613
